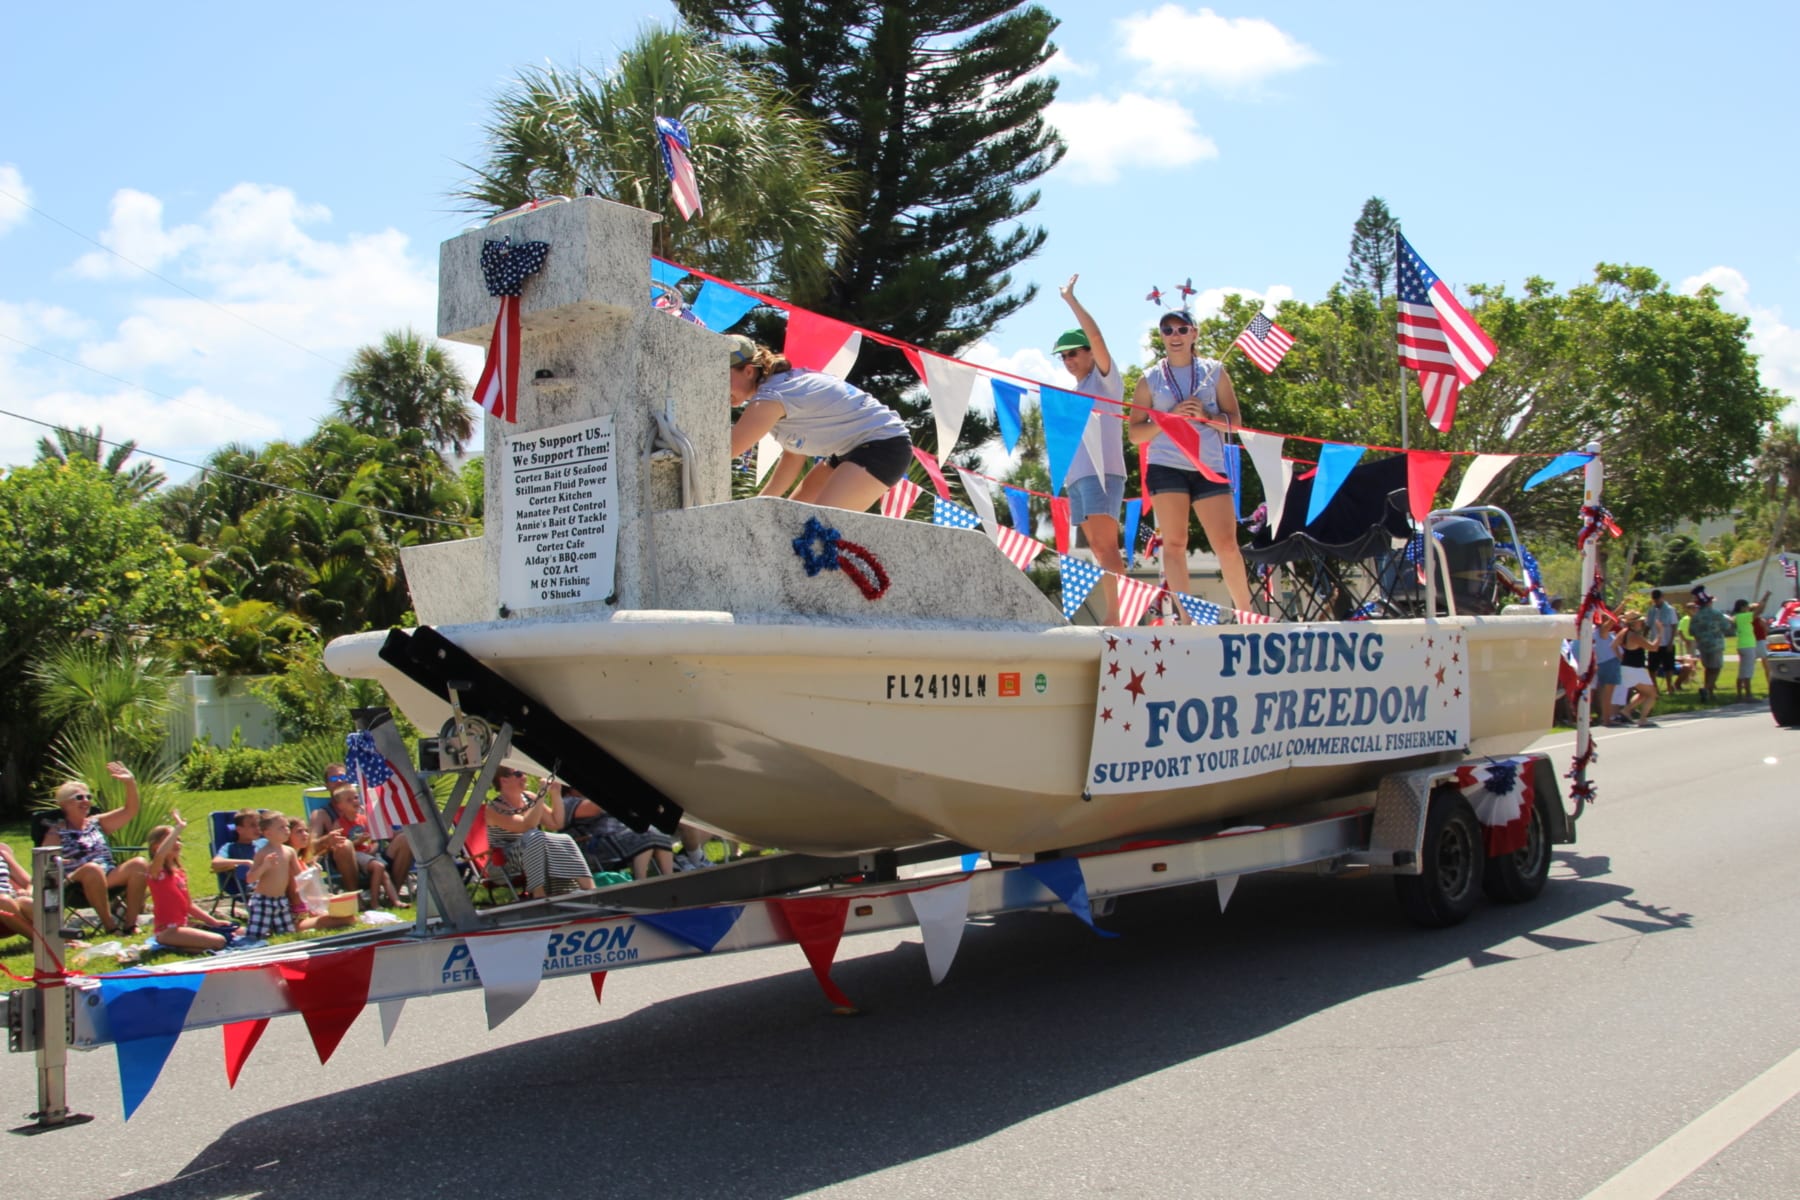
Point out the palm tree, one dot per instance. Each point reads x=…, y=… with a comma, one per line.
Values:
x=82, y=442
x=773, y=203
x=406, y=383
x=1778, y=465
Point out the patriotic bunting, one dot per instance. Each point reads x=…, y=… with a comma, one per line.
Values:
x=1134, y=600
x=1019, y=504
x=1264, y=343
x=145, y=1014
x=1065, y=418
x=389, y=1011
x=1059, y=520
x=510, y=966
x=1335, y=463
x=949, y=381
x=941, y=913
x=504, y=268
x=982, y=500
x=818, y=343
x=666, y=272
x=719, y=307
x=1481, y=472
x=768, y=453
x=900, y=498
x=1066, y=882
x=1251, y=618
x=1200, y=612
x=240, y=1039
x=1078, y=579
x=1022, y=551
x=701, y=928
x=955, y=516
x=330, y=991
x=931, y=468
x=1562, y=464
x=1271, y=468
x=1424, y=472
x=1007, y=399
x=817, y=923
x=1134, y=515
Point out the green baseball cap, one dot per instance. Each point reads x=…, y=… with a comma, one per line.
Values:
x=1072, y=340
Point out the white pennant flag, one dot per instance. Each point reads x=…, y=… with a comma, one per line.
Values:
x=1227, y=885
x=768, y=453
x=390, y=1017
x=510, y=966
x=1265, y=455
x=983, y=501
x=949, y=382
x=1092, y=441
x=941, y=912
x=1475, y=480
x=845, y=358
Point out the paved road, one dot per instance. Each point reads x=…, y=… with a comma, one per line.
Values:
x=1307, y=1042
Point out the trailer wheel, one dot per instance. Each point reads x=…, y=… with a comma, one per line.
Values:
x=1517, y=877
x=1451, y=862
x=1784, y=702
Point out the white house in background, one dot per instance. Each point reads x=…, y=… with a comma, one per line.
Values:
x=1734, y=583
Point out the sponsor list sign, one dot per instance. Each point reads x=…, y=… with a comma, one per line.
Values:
x=560, y=496
x=1183, y=707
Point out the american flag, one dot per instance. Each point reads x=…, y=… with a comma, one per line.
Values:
x=1134, y=598
x=943, y=512
x=1264, y=342
x=1437, y=336
x=900, y=499
x=1078, y=579
x=1021, y=550
x=389, y=799
x=1790, y=567
x=1200, y=612
x=1366, y=612
x=672, y=136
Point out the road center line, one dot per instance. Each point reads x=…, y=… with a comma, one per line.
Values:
x=1704, y=1138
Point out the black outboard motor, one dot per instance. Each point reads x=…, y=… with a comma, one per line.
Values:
x=1468, y=547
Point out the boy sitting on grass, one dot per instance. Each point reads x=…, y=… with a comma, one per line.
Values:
x=270, y=872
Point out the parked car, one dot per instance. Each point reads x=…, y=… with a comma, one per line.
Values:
x=1784, y=665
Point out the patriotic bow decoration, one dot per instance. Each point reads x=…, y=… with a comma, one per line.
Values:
x=505, y=267
x=672, y=139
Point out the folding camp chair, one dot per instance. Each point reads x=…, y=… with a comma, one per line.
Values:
x=489, y=862
x=84, y=925
x=230, y=886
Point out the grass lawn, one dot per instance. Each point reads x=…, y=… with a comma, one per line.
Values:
x=196, y=859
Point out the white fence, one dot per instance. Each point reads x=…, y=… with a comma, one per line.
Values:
x=204, y=709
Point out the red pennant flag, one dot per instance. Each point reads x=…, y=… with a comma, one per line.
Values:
x=330, y=990
x=933, y=470
x=814, y=340
x=240, y=1039
x=598, y=979
x=817, y=923
x=1059, y=517
x=1187, y=440
x=1425, y=470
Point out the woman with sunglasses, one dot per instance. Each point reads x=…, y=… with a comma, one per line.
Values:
x=1198, y=390
x=516, y=825
x=814, y=415
x=1096, y=490
x=86, y=857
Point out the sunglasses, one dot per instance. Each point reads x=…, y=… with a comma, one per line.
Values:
x=81, y=798
x=1070, y=353
x=337, y=779
x=1168, y=329
x=510, y=775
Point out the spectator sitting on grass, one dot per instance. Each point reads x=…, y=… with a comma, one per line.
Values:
x=355, y=856
x=396, y=853
x=307, y=898
x=15, y=894
x=169, y=894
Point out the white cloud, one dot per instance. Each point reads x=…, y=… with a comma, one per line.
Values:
x=1029, y=363
x=1177, y=47
x=1776, y=343
x=12, y=205
x=1133, y=130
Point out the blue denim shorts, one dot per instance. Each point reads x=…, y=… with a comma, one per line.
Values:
x=1089, y=497
x=1608, y=673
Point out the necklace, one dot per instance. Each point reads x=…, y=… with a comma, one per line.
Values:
x=1195, y=379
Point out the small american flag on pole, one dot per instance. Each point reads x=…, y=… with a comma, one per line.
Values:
x=1264, y=342
x=672, y=137
x=1438, y=338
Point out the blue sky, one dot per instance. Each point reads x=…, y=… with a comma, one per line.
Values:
x=292, y=171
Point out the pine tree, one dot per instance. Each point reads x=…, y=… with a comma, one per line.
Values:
x=935, y=109
x=1372, y=249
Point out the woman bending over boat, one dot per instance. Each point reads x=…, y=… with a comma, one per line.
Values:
x=1199, y=390
x=862, y=441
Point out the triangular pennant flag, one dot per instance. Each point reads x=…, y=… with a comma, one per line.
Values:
x=598, y=979
x=240, y=1039
x=1335, y=462
x=817, y=923
x=390, y=1011
x=1078, y=579
x=1181, y=433
x=1200, y=612
x=1018, y=504
x=844, y=361
x=720, y=307
x=1425, y=470
x=1093, y=445
x=1020, y=550
x=1059, y=521
x=1234, y=471
x=976, y=490
x=701, y=928
x=1007, y=398
x=931, y=468
x=1065, y=417
x=1064, y=879
x=899, y=499
x=330, y=991
x=1479, y=474
x=941, y=912
x=1227, y=885
x=1134, y=600
x=1562, y=464
x=953, y=516
x=665, y=272
x=510, y=966
x=768, y=453
x=1265, y=456
x=817, y=342
x=144, y=1015
x=949, y=381
x=1134, y=515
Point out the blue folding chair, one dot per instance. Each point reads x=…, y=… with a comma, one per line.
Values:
x=232, y=885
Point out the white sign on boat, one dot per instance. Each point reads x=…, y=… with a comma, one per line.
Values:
x=561, y=533
x=1179, y=706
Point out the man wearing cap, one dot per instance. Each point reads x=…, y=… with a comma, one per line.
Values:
x=1096, y=490
x=1710, y=629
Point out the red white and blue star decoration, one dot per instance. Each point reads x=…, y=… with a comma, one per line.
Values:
x=505, y=268
x=1502, y=795
x=822, y=548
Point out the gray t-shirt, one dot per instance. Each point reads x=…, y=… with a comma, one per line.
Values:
x=1200, y=380
x=1661, y=624
x=1106, y=417
x=825, y=416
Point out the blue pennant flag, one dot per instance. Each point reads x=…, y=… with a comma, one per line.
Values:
x=719, y=307
x=145, y=1014
x=1134, y=513
x=1562, y=464
x=1200, y=612
x=702, y=928
x=1234, y=471
x=1078, y=579
x=1063, y=876
x=1335, y=462
x=971, y=861
x=669, y=273
x=1065, y=420
x=1007, y=396
x=1020, y=506
x=954, y=515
